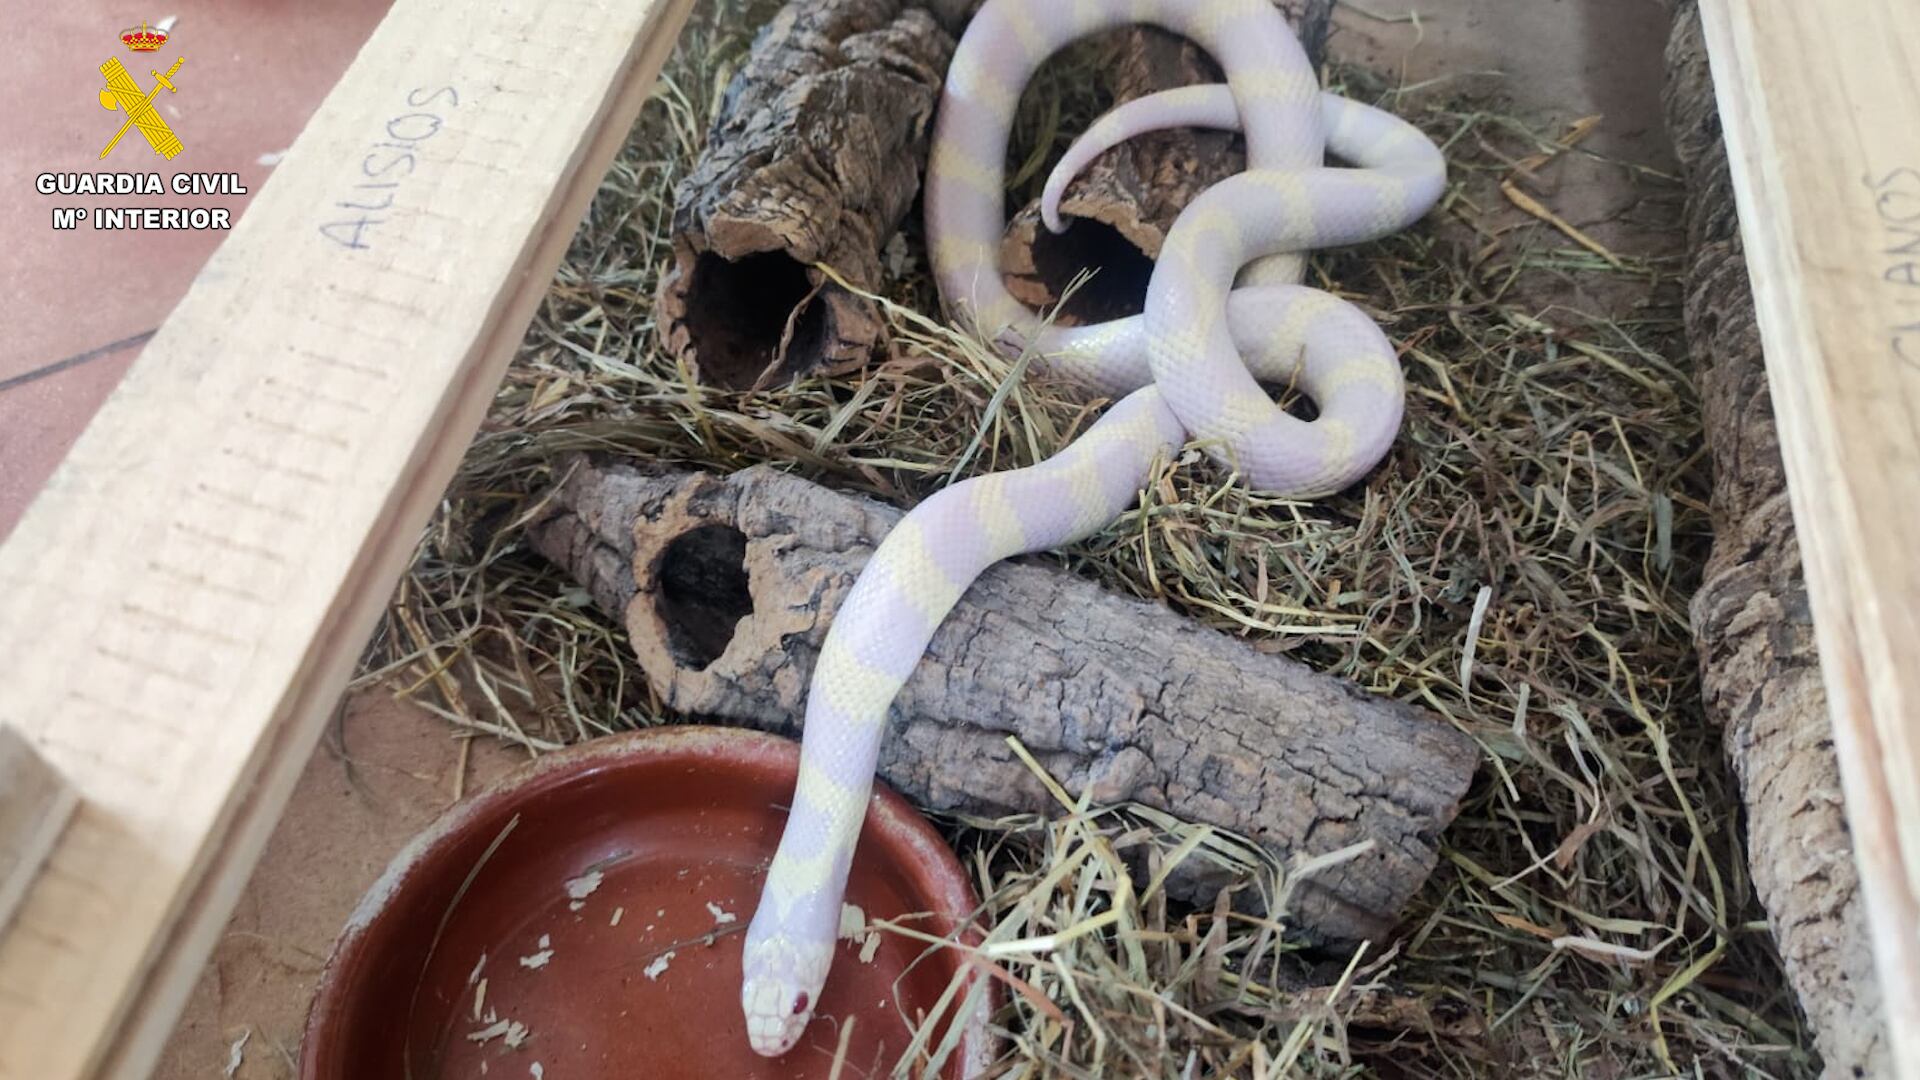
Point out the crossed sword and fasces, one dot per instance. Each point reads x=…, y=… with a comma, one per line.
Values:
x=124, y=94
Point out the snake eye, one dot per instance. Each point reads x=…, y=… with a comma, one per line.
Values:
x=799, y=1004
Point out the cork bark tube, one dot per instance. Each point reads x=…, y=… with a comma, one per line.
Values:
x=1118, y=211
x=727, y=587
x=1752, y=624
x=818, y=154
x=815, y=157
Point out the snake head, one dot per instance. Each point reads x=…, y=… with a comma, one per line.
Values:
x=779, y=988
x=776, y=1014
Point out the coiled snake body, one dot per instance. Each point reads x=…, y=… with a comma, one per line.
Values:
x=1187, y=368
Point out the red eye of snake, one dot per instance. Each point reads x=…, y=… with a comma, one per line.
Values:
x=799, y=1004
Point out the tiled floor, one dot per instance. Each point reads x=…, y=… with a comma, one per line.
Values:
x=383, y=772
x=79, y=303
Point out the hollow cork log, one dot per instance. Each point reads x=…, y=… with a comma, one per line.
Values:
x=815, y=156
x=1118, y=211
x=727, y=588
x=1752, y=625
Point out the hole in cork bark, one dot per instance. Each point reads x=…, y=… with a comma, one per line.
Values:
x=809, y=342
x=703, y=593
x=736, y=310
x=1118, y=289
x=1294, y=403
x=1287, y=393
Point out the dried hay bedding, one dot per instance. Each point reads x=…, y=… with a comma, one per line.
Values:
x=1521, y=565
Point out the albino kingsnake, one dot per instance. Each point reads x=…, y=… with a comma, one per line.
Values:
x=1187, y=368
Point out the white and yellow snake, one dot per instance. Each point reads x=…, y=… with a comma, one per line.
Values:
x=1189, y=368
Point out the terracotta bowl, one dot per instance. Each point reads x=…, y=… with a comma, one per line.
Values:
x=550, y=903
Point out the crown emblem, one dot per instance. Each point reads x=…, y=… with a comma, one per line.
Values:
x=143, y=38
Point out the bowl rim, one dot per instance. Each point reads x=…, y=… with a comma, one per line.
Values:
x=728, y=747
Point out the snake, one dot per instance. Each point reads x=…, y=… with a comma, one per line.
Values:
x=1225, y=310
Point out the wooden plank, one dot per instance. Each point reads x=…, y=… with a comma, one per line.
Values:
x=35, y=804
x=1821, y=108
x=181, y=607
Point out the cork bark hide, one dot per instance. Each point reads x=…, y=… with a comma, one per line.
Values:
x=728, y=586
x=815, y=157
x=1117, y=213
x=1751, y=620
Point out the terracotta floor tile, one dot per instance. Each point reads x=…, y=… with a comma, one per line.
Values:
x=254, y=73
x=383, y=772
x=39, y=421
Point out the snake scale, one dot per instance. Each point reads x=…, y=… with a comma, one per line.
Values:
x=1224, y=311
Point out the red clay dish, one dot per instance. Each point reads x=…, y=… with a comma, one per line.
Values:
x=585, y=919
